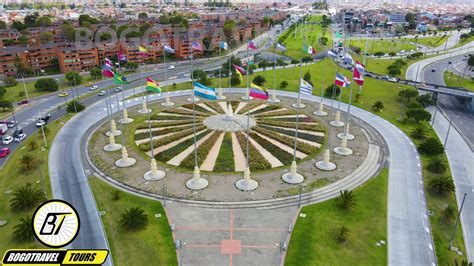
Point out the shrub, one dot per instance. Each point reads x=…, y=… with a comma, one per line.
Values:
x=23, y=232
x=343, y=234
x=75, y=106
x=332, y=91
x=295, y=61
x=441, y=185
x=418, y=133
x=425, y=100
x=73, y=78
x=414, y=105
x=377, y=106
x=133, y=219
x=436, y=165
x=46, y=84
x=418, y=114
x=259, y=80
x=408, y=94
x=283, y=84
x=27, y=162
x=115, y=195
x=346, y=200
x=32, y=145
x=10, y=82
x=448, y=214
x=235, y=80
x=431, y=146
x=26, y=197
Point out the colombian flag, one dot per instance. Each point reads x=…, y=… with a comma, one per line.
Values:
x=152, y=85
x=258, y=92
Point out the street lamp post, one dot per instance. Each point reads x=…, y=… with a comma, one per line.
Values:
x=457, y=221
x=447, y=134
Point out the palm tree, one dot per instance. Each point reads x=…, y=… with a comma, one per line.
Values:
x=26, y=197
x=418, y=132
x=23, y=232
x=27, y=162
x=346, y=200
x=32, y=145
x=437, y=165
x=133, y=219
x=343, y=233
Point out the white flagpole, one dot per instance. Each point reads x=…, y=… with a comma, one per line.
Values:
x=365, y=58
x=247, y=93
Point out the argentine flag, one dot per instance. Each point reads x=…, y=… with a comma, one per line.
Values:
x=204, y=92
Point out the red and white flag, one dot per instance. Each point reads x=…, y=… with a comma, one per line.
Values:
x=360, y=67
x=358, y=77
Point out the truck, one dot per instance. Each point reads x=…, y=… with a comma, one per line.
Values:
x=3, y=129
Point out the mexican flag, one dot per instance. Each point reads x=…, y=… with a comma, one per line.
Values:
x=309, y=49
x=152, y=85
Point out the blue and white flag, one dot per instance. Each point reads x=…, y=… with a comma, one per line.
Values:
x=332, y=54
x=305, y=87
x=280, y=47
x=223, y=45
x=168, y=49
x=204, y=92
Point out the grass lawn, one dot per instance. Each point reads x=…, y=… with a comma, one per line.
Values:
x=432, y=41
x=387, y=92
x=314, y=242
x=11, y=177
x=465, y=41
x=385, y=46
x=294, y=44
x=454, y=80
x=150, y=246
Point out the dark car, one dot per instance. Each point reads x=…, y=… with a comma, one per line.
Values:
x=24, y=101
x=433, y=70
x=17, y=132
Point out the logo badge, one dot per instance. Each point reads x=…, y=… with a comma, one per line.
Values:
x=56, y=223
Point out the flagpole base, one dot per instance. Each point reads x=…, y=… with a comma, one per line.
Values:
x=115, y=133
x=167, y=104
x=193, y=99
x=147, y=111
x=325, y=166
x=320, y=113
x=246, y=98
x=150, y=176
x=125, y=120
x=274, y=100
x=122, y=163
x=343, y=151
x=298, y=105
x=292, y=179
x=337, y=123
x=221, y=97
x=112, y=147
x=347, y=136
x=246, y=184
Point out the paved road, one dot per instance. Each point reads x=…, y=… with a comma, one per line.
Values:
x=408, y=230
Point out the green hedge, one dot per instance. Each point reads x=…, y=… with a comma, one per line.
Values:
x=291, y=119
x=303, y=147
x=172, y=152
x=291, y=133
x=164, y=141
x=196, y=107
x=170, y=117
x=316, y=128
x=215, y=106
x=266, y=109
x=145, y=135
x=256, y=160
x=278, y=113
x=165, y=124
x=249, y=106
x=202, y=152
x=185, y=112
x=225, y=159
x=276, y=151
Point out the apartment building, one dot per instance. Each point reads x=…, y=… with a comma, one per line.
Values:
x=75, y=59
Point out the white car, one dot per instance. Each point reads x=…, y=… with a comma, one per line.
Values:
x=93, y=88
x=40, y=123
x=20, y=138
x=393, y=80
x=170, y=67
x=7, y=140
x=101, y=93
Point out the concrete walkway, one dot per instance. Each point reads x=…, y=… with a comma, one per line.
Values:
x=210, y=161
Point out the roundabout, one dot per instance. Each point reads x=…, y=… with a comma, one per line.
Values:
x=221, y=148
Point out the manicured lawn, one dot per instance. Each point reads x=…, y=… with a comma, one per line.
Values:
x=151, y=246
x=385, y=46
x=11, y=177
x=456, y=81
x=309, y=32
x=313, y=241
x=432, y=41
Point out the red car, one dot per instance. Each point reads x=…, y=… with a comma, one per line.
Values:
x=4, y=152
x=25, y=101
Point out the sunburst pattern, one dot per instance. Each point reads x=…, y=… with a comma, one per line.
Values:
x=221, y=136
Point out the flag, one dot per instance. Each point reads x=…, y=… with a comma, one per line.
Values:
x=258, y=92
x=358, y=77
x=309, y=49
x=348, y=59
x=122, y=57
x=204, y=92
x=332, y=54
x=152, y=85
x=360, y=67
x=240, y=71
x=341, y=80
x=108, y=68
x=280, y=47
x=119, y=79
x=168, y=49
x=142, y=51
x=223, y=45
x=197, y=46
x=252, y=45
x=305, y=87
